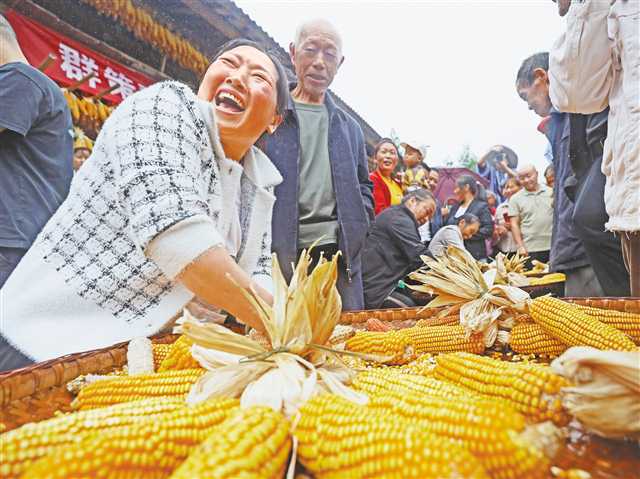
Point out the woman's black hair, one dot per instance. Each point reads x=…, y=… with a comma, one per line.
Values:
x=382, y=142
x=468, y=180
x=282, y=84
x=469, y=219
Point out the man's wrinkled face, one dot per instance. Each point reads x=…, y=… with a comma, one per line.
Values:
x=316, y=60
x=536, y=94
x=432, y=179
x=423, y=210
x=529, y=179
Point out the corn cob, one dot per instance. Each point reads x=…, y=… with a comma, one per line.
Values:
x=374, y=324
x=548, y=279
x=531, y=389
x=451, y=320
x=253, y=442
x=483, y=426
x=628, y=323
x=339, y=439
x=341, y=333
x=23, y=446
x=132, y=388
x=179, y=356
x=573, y=327
x=530, y=338
x=395, y=346
x=375, y=380
x=444, y=339
x=151, y=449
x=160, y=352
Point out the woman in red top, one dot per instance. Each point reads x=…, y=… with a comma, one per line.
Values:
x=386, y=190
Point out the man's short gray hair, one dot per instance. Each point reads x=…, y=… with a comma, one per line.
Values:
x=301, y=31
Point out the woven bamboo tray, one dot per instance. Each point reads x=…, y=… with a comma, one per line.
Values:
x=631, y=305
x=36, y=392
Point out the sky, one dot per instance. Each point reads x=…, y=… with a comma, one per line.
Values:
x=441, y=73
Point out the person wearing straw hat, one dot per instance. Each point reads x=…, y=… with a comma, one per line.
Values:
x=82, y=146
x=35, y=151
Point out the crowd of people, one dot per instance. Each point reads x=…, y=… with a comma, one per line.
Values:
x=185, y=196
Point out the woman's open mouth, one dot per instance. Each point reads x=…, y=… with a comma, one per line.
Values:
x=228, y=102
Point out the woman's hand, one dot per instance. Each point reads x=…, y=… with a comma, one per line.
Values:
x=216, y=279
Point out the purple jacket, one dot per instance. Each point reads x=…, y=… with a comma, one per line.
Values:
x=351, y=184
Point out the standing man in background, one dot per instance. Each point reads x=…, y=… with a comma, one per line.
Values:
x=36, y=142
x=594, y=65
x=531, y=215
x=319, y=149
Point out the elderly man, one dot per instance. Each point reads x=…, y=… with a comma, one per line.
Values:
x=580, y=246
x=326, y=195
x=35, y=151
x=394, y=248
x=531, y=213
x=595, y=65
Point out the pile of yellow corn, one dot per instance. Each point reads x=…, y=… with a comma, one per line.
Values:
x=466, y=416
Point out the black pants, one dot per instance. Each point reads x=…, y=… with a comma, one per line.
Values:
x=603, y=247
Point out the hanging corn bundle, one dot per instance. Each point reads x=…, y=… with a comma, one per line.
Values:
x=297, y=365
x=605, y=395
x=456, y=278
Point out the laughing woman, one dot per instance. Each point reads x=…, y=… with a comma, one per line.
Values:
x=386, y=191
x=176, y=202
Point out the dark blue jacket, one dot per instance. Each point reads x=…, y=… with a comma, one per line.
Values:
x=351, y=184
x=567, y=251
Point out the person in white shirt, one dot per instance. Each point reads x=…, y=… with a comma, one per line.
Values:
x=502, y=233
x=175, y=202
x=467, y=225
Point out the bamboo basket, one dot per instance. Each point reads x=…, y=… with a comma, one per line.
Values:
x=38, y=391
x=631, y=305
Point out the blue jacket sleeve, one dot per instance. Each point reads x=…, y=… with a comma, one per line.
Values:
x=366, y=185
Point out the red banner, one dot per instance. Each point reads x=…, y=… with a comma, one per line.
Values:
x=74, y=61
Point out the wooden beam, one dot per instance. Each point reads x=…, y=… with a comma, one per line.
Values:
x=39, y=14
x=213, y=18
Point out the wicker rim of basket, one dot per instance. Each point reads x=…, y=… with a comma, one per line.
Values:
x=23, y=382
x=631, y=305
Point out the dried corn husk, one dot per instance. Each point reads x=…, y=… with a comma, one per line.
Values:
x=510, y=270
x=295, y=363
x=455, y=278
x=605, y=396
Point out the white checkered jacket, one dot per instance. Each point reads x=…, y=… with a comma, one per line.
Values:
x=152, y=197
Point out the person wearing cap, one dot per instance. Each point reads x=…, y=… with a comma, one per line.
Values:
x=416, y=173
x=82, y=146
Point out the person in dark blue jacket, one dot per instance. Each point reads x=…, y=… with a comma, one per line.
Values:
x=326, y=195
